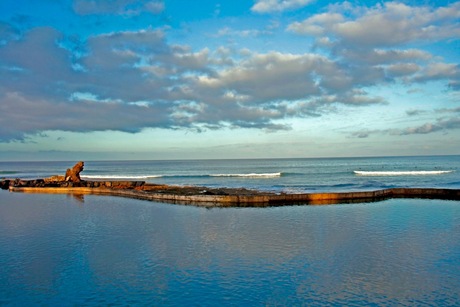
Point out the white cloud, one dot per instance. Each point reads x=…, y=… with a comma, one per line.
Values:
x=439, y=71
x=271, y=6
x=442, y=124
x=32, y=115
x=7, y=32
x=384, y=56
x=439, y=125
x=316, y=25
x=35, y=64
x=403, y=69
x=384, y=25
x=154, y=7
x=372, y=40
x=118, y=7
x=391, y=55
x=272, y=76
x=227, y=31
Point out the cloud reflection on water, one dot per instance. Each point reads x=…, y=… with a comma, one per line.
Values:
x=112, y=250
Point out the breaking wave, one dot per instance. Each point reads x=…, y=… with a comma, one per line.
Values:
x=9, y=172
x=249, y=175
x=130, y=177
x=400, y=173
x=145, y=177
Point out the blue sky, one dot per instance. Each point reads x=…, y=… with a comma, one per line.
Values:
x=180, y=79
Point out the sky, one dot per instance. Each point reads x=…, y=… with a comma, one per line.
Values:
x=181, y=79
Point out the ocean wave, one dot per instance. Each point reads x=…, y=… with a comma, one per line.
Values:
x=131, y=177
x=9, y=172
x=249, y=175
x=400, y=173
x=139, y=177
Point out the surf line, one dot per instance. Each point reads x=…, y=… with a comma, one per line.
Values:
x=144, y=177
x=400, y=173
x=249, y=175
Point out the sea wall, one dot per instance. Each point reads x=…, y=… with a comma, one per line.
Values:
x=224, y=197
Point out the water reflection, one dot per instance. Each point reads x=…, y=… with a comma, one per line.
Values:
x=115, y=250
x=78, y=197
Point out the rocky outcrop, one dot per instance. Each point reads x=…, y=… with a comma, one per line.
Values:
x=49, y=183
x=5, y=184
x=55, y=178
x=73, y=174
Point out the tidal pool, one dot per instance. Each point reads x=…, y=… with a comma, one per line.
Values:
x=103, y=250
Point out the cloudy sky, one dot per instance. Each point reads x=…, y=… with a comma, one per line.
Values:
x=180, y=79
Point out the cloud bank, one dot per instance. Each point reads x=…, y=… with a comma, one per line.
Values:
x=270, y=6
x=131, y=80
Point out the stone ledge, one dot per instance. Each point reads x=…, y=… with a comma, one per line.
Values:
x=229, y=197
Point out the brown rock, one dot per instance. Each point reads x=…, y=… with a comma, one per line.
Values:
x=4, y=184
x=55, y=178
x=73, y=174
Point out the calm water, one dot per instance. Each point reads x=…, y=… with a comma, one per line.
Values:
x=100, y=250
x=287, y=175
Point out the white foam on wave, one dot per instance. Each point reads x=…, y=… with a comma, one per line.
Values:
x=130, y=177
x=400, y=173
x=249, y=175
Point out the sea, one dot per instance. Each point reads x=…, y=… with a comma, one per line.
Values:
x=94, y=250
x=278, y=175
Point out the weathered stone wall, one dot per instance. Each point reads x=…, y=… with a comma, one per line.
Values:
x=217, y=197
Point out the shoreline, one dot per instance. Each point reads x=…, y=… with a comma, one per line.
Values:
x=221, y=197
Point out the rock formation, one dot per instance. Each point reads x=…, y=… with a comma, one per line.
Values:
x=5, y=184
x=55, y=178
x=73, y=174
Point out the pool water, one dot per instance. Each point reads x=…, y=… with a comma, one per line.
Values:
x=103, y=250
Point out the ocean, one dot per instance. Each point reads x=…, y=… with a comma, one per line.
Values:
x=278, y=175
x=89, y=250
